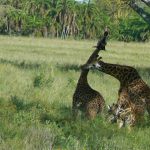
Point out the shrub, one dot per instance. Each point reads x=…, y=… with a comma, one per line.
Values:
x=133, y=29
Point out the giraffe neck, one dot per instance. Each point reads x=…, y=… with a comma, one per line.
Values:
x=125, y=74
x=100, y=46
x=83, y=78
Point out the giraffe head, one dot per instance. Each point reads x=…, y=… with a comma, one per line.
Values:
x=125, y=74
x=120, y=115
x=112, y=108
x=95, y=63
x=115, y=110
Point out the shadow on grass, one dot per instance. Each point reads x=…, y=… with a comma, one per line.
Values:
x=22, y=65
x=75, y=67
x=81, y=128
x=22, y=104
x=61, y=117
x=68, y=67
x=146, y=123
x=143, y=70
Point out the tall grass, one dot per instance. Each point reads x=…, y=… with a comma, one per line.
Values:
x=37, y=80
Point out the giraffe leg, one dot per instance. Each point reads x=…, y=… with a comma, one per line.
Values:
x=74, y=112
x=91, y=111
x=148, y=108
x=91, y=114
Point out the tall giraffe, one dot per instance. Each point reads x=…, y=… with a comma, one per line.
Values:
x=133, y=92
x=85, y=98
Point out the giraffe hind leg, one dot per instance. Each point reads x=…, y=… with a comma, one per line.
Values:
x=91, y=113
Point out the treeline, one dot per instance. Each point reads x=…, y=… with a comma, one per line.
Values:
x=69, y=18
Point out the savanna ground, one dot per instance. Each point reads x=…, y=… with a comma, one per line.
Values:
x=37, y=80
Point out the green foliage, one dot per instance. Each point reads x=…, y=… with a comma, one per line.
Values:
x=42, y=80
x=133, y=29
x=69, y=18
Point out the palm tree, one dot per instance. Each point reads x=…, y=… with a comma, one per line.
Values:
x=88, y=19
x=64, y=13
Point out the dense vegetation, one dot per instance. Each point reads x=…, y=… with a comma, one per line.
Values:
x=37, y=80
x=70, y=18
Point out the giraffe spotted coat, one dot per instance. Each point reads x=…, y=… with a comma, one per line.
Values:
x=134, y=93
x=87, y=99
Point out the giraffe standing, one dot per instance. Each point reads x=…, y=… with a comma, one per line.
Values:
x=85, y=98
x=134, y=93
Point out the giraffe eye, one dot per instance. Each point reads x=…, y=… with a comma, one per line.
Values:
x=97, y=65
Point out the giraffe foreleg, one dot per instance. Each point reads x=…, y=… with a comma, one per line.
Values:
x=148, y=106
x=75, y=109
x=74, y=112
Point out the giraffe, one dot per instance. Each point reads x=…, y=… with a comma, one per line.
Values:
x=134, y=93
x=85, y=98
x=119, y=115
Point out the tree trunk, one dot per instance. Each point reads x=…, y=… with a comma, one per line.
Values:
x=147, y=2
x=19, y=25
x=8, y=26
x=140, y=11
x=45, y=32
x=84, y=27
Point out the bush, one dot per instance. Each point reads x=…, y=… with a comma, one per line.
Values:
x=133, y=29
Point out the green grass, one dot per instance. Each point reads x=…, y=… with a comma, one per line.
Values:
x=37, y=80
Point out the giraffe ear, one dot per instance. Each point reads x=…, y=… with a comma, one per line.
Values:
x=99, y=58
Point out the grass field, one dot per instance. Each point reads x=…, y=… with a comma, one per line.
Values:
x=37, y=80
